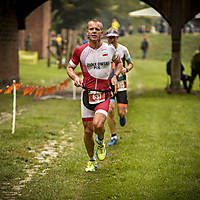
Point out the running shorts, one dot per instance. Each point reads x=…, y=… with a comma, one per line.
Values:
x=120, y=96
x=88, y=110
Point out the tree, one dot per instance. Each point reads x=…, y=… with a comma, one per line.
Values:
x=72, y=13
x=76, y=13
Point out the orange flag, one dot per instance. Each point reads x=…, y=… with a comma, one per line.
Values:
x=36, y=93
x=18, y=86
x=31, y=91
x=27, y=90
x=9, y=90
x=54, y=90
x=60, y=87
x=48, y=90
x=65, y=83
x=40, y=92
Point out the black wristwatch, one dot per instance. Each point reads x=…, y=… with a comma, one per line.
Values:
x=116, y=75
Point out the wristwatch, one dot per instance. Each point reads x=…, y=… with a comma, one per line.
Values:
x=127, y=70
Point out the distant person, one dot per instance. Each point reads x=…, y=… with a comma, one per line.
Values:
x=153, y=30
x=141, y=29
x=121, y=96
x=95, y=58
x=195, y=68
x=122, y=31
x=53, y=38
x=130, y=29
x=115, y=24
x=58, y=45
x=28, y=42
x=184, y=78
x=162, y=26
x=144, y=47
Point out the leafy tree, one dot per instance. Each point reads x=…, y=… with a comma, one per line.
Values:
x=72, y=13
x=76, y=13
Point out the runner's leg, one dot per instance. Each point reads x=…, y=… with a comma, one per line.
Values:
x=111, y=118
x=122, y=101
x=99, y=129
x=122, y=110
x=98, y=123
x=112, y=124
x=88, y=138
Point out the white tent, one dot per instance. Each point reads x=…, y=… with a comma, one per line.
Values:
x=147, y=12
x=150, y=12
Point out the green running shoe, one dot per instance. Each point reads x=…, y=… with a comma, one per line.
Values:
x=101, y=152
x=92, y=166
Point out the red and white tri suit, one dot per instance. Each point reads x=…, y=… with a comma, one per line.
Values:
x=96, y=67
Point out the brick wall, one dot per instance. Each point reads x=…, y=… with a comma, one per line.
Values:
x=8, y=44
x=37, y=25
x=11, y=40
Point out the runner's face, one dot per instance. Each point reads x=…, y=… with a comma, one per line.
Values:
x=94, y=31
x=112, y=40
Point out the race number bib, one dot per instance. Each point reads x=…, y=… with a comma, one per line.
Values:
x=121, y=85
x=96, y=97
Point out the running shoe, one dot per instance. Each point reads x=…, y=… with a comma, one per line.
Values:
x=112, y=141
x=92, y=166
x=122, y=121
x=101, y=152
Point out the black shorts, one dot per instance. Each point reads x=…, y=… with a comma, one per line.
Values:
x=120, y=96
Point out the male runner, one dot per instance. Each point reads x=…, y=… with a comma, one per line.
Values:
x=112, y=36
x=95, y=58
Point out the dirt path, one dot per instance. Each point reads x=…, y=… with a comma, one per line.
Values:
x=47, y=154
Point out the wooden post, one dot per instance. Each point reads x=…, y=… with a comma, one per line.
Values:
x=14, y=107
x=60, y=58
x=68, y=45
x=74, y=41
x=49, y=49
x=64, y=43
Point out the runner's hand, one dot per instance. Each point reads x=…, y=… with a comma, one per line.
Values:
x=114, y=83
x=123, y=71
x=78, y=82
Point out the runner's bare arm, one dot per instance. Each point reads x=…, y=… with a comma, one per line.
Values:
x=119, y=65
x=73, y=76
x=128, y=68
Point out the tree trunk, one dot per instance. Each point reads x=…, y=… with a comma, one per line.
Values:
x=176, y=59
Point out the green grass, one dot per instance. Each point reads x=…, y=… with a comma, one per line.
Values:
x=42, y=75
x=156, y=158
x=160, y=46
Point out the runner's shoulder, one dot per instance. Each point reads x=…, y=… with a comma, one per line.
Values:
x=80, y=48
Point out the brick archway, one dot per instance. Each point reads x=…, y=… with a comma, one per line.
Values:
x=12, y=18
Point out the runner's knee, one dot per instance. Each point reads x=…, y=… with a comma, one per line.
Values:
x=122, y=111
x=98, y=125
x=88, y=128
x=111, y=113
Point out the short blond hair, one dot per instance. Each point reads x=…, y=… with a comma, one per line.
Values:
x=97, y=21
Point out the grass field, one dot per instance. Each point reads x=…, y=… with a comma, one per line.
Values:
x=157, y=156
